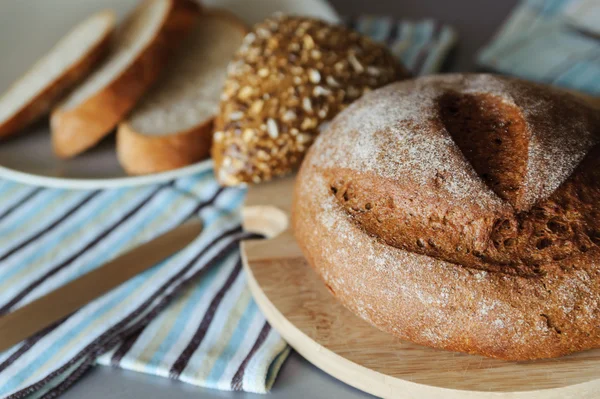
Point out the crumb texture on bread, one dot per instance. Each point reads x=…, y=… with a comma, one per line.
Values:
x=130, y=39
x=142, y=46
x=461, y=212
x=65, y=64
x=172, y=126
x=188, y=93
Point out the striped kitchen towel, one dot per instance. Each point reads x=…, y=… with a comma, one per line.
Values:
x=550, y=41
x=191, y=317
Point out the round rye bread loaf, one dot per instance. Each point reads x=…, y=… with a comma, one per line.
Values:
x=461, y=212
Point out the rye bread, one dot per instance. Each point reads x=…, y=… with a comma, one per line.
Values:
x=461, y=212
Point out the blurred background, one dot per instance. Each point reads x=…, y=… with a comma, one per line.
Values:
x=475, y=21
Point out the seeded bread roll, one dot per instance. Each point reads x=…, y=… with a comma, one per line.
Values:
x=461, y=212
x=290, y=75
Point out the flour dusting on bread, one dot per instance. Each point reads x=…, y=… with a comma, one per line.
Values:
x=392, y=213
x=555, y=148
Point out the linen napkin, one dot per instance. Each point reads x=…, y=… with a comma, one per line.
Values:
x=191, y=317
x=550, y=41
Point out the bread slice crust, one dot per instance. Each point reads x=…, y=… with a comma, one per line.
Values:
x=140, y=154
x=48, y=96
x=76, y=129
x=144, y=154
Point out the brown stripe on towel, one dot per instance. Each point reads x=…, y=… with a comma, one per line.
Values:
x=52, y=225
x=30, y=342
x=208, y=202
x=122, y=350
x=20, y=202
x=70, y=380
x=394, y=33
x=200, y=333
x=237, y=382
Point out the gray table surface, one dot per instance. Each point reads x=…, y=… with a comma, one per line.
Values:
x=476, y=21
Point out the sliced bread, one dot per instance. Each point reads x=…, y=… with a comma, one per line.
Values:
x=171, y=127
x=71, y=59
x=140, y=49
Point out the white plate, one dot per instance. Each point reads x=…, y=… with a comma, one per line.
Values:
x=29, y=28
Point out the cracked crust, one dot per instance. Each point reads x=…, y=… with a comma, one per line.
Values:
x=461, y=212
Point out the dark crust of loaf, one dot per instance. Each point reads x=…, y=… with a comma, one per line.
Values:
x=443, y=255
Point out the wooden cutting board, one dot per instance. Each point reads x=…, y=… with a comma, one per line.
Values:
x=298, y=305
